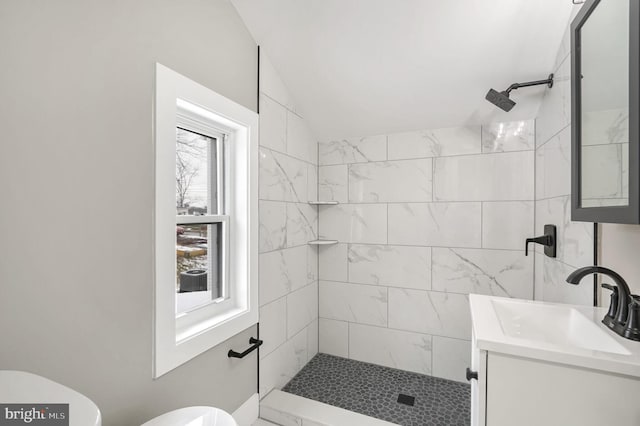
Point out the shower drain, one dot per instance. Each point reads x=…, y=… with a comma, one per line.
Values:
x=406, y=399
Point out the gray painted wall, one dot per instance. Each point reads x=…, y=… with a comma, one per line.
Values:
x=76, y=84
x=619, y=246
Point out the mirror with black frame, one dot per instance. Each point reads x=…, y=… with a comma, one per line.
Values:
x=605, y=112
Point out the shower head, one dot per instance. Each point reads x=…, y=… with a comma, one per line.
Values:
x=502, y=100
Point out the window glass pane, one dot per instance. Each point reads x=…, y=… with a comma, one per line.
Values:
x=196, y=173
x=199, y=265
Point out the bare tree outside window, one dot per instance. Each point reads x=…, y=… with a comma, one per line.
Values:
x=191, y=168
x=184, y=176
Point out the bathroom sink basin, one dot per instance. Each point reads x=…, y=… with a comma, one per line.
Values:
x=558, y=325
x=563, y=334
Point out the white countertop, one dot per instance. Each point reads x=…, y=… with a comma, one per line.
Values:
x=490, y=336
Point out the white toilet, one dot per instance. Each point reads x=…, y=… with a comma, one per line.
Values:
x=194, y=416
x=19, y=387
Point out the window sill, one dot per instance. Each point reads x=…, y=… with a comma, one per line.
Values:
x=185, y=333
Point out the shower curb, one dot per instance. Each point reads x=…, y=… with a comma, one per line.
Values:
x=292, y=410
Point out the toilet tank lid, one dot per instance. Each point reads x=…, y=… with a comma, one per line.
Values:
x=23, y=387
x=197, y=415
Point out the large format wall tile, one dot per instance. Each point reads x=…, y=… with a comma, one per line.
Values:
x=460, y=197
x=565, y=45
x=313, y=338
x=273, y=225
x=451, y=357
x=333, y=183
x=333, y=262
x=273, y=325
x=435, y=224
x=391, y=181
x=273, y=183
x=302, y=224
x=355, y=223
x=279, y=367
x=551, y=284
x=391, y=348
x=490, y=177
x=553, y=187
x=271, y=85
x=354, y=150
x=574, y=244
x=538, y=277
x=430, y=312
x=553, y=166
x=312, y=183
x=513, y=136
x=295, y=172
x=435, y=143
x=281, y=272
x=555, y=110
x=288, y=267
x=493, y=272
x=302, y=308
x=300, y=141
x=273, y=124
x=282, y=178
x=363, y=304
x=506, y=224
x=394, y=266
x=312, y=264
x=334, y=337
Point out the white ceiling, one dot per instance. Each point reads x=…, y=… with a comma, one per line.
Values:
x=364, y=67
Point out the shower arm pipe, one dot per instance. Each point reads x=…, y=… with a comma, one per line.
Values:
x=548, y=82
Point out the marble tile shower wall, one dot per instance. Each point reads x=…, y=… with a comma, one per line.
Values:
x=424, y=219
x=553, y=192
x=288, y=267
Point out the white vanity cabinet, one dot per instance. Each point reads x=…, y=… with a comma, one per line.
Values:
x=526, y=382
x=479, y=385
x=512, y=390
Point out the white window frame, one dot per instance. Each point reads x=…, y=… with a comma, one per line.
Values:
x=181, y=101
x=190, y=123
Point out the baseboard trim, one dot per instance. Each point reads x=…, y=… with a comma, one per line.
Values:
x=248, y=412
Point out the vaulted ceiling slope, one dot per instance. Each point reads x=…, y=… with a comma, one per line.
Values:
x=364, y=67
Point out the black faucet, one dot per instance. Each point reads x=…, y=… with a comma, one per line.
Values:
x=548, y=240
x=616, y=319
x=610, y=318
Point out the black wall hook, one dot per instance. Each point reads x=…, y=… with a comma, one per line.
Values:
x=548, y=240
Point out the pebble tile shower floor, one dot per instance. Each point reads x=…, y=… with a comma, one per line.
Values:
x=373, y=390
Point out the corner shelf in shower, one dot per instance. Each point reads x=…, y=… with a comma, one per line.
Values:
x=323, y=203
x=322, y=242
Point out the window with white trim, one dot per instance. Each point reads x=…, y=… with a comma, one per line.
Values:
x=202, y=225
x=205, y=219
